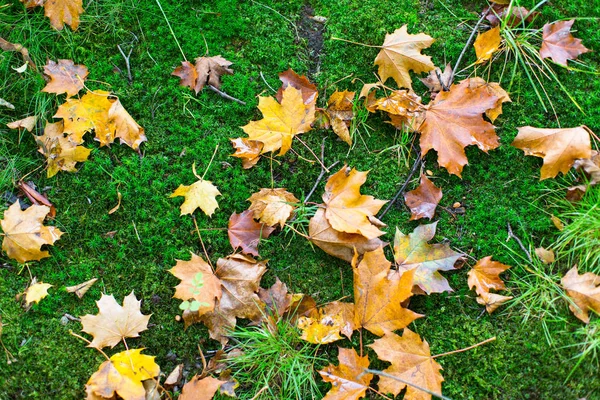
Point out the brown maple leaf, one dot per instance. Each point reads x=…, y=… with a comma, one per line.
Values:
x=584, y=291
x=113, y=322
x=246, y=233
x=591, y=167
x=248, y=150
x=338, y=244
x=300, y=82
x=8, y=46
x=349, y=380
x=423, y=200
x=277, y=300
x=412, y=362
x=454, y=120
x=198, y=282
x=124, y=127
x=558, y=147
x=200, y=388
x=346, y=209
x=62, y=12
x=240, y=277
x=403, y=107
x=340, y=111
x=61, y=153
x=206, y=71
x=487, y=44
x=379, y=292
x=281, y=121
x=25, y=234
x=559, y=44
x=413, y=252
x=485, y=276
x=493, y=89
x=273, y=206
x=510, y=13
x=65, y=77
x=400, y=53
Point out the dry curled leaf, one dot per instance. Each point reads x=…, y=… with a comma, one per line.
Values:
x=246, y=233
x=277, y=300
x=36, y=292
x=584, y=291
x=113, y=322
x=559, y=44
x=273, y=206
x=340, y=111
x=65, y=77
x=558, y=147
x=349, y=380
x=248, y=150
x=206, y=71
x=36, y=197
x=437, y=80
x=25, y=123
x=8, y=46
x=81, y=289
x=423, y=201
x=487, y=44
x=61, y=153
x=25, y=234
x=400, y=53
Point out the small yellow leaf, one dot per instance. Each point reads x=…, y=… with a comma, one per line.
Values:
x=36, y=292
x=201, y=194
x=487, y=44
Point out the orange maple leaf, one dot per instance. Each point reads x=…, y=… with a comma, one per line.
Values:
x=559, y=44
x=348, y=379
x=65, y=77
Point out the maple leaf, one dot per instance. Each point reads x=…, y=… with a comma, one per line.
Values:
x=559, y=44
x=338, y=244
x=8, y=46
x=113, y=322
x=400, y=53
x=379, y=292
x=404, y=108
x=25, y=234
x=244, y=232
x=487, y=44
x=591, y=167
x=584, y=291
x=65, y=77
x=87, y=113
x=122, y=375
x=281, y=122
x=494, y=89
x=206, y=71
x=348, y=379
x=300, y=82
x=62, y=12
x=346, y=209
x=454, y=120
x=81, y=289
x=202, y=194
x=411, y=361
x=484, y=276
x=248, y=150
x=340, y=111
x=510, y=13
x=423, y=200
x=197, y=282
x=277, y=300
x=200, y=388
x=124, y=127
x=437, y=80
x=558, y=147
x=240, y=277
x=492, y=301
x=273, y=206
x=36, y=292
x=335, y=318
x=413, y=252
x=25, y=123
x=61, y=153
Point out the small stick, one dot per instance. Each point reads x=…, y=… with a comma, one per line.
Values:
x=265, y=81
x=202, y=243
x=313, y=153
x=259, y=392
x=126, y=57
x=322, y=172
x=136, y=232
x=399, y=192
x=394, y=377
x=225, y=95
x=465, y=349
x=513, y=236
x=464, y=50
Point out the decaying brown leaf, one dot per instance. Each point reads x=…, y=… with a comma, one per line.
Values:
x=340, y=113
x=61, y=12
x=584, y=290
x=244, y=232
x=404, y=108
x=545, y=255
x=36, y=197
x=437, y=80
x=349, y=380
x=248, y=150
x=61, y=153
x=113, y=322
x=200, y=388
x=82, y=288
x=277, y=300
x=65, y=77
x=25, y=234
x=7, y=46
x=206, y=71
x=558, y=147
x=25, y=123
x=273, y=206
x=559, y=44
x=485, y=276
x=423, y=201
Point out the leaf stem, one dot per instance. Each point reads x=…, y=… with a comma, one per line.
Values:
x=465, y=349
x=394, y=377
x=210, y=162
x=88, y=342
x=357, y=43
x=171, y=29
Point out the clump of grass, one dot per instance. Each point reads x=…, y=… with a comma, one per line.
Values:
x=274, y=362
x=588, y=337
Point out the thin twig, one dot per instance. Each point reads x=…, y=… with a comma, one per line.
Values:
x=513, y=236
x=126, y=57
x=202, y=243
x=323, y=170
x=171, y=29
x=464, y=50
x=88, y=342
x=401, y=190
x=265, y=81
x=465, y=349
x=259, y=392
x=394, y=377
x=313, y=153
x=225, y=95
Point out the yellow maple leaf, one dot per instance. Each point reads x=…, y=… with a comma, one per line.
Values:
x=36, y=292
x=63, y=12
x=281, y=122
x=86, y=113
x=273, y=206
x=487, y=44
x=61, y=153
x=201, y=194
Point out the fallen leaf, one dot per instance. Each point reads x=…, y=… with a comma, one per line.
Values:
x=379, y=293
x=281, y=121
x=61, y=153
x=591, y=166
x=246, y=233
x=493, y=89
x=485, y=276
x=400, y=53
x=82, y=288
x=492, y=301
x=201, y=194
x=36, y=292
x=124, y=127
x=509, y=14
x=113, y=322
x=65, y=77
x=487, y=44
x=454, y=120
x=584, y=291
x=423, y=201
x=340, y=110
x=6, y=104
x=347, y=312
x=200, y=388
x=122, y=375
x=248, y=150
x=413, y=252
x=277, y=300
x=322, y=330
x=25, y=123
x=403, y=107
x=557, y=223
x=7, y=46
x=338, y=244
x=87, y=113
x=349, y=380
x=545, y=255
x=36, y=197
x=62, y=12
x=559, y=44
x=175, y=377
x=558, y=147
x=412, y=362
x=206, y=71
x=198, y=282
x=273, y=206
x=115, y=208
x=25, y=234
x=300, y=82
x=437, y=80
x=346, y=209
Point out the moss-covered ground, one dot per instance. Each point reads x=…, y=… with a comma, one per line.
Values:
x=266, y=38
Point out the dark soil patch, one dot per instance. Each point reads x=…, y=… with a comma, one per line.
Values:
x=311, y=30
